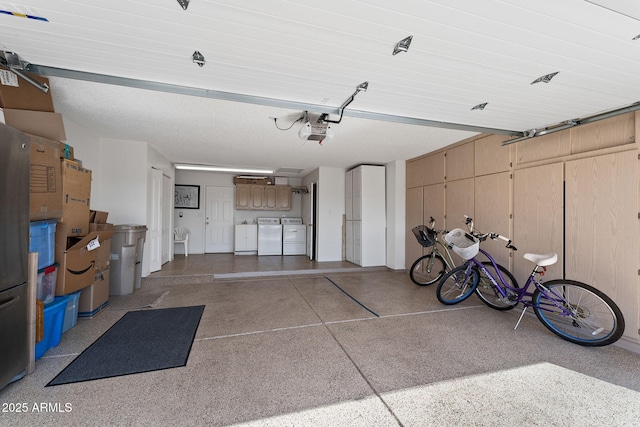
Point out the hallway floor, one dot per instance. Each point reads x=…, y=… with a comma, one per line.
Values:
x=334, y=345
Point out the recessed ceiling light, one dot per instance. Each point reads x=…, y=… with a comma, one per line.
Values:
x=222, y=169
x=544, y=79
x=402, y=45
x=480, y=106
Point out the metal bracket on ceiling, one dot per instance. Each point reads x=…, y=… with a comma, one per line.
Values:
x=361, y=87
x=12, y=62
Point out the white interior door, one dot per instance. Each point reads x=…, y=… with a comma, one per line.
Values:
x=219, y=219
x=166, y=218
x=154, y=226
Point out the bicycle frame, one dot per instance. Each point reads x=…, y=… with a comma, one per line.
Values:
x=499, y=283
x=446, y=255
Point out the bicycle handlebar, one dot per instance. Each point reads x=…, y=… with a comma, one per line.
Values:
x=483, y=236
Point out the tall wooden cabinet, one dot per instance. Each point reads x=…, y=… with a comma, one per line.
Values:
x=365, y=216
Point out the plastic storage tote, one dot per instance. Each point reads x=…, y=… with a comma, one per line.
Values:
x=71, y=312
x=53, y=322
x=47, y=283
x=42, y=237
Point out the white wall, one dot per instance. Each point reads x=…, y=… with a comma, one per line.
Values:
x=194, y=219
x=396, y=205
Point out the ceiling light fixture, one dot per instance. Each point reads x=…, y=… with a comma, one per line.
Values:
x=198, y=58
x=184, y=4
x=402, y=45
x=479, y=106
x=545, y=79
x=636, y=37
x=222, y=169
x=12, y=62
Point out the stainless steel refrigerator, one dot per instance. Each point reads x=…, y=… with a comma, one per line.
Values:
x=15, y=153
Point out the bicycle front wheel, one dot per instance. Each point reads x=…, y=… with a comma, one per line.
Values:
x=427, y=269
x=578, y=313
x=488, y=293
x=457, y=285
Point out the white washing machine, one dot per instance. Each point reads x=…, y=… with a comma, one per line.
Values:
x=294, y=236
x=269, y=236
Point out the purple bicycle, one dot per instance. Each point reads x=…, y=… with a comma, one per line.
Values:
x=574, y=311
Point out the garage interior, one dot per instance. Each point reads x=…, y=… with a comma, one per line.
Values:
x=521, y=115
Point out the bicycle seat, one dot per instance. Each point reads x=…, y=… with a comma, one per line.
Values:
x=542, y=260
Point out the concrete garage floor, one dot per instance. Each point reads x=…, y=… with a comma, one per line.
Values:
x=294, y=349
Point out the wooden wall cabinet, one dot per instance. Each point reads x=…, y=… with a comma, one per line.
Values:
x=263, y=197
x=602, y=229
x=460, y=161
x=575, y=192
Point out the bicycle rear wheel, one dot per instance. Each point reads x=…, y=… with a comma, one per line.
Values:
x=427, y=269
x=578, y=313
x=457, y=285
x=488, y=293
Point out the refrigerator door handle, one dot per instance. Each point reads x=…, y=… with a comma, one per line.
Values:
x=8, y=303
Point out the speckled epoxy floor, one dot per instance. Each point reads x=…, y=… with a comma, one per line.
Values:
x=296, y=350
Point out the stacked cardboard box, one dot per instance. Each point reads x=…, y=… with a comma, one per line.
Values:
x=95, y=297
x=60, y=188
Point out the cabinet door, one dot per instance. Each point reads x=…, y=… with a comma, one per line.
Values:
x=348, y=192
x=270, y=200
x=460, y=162
x=434, y=205
x=602, y=229
x=459, y=202
x=257, y=197
x=491, y=156
x=251, y=237
x=243, y=196
x=357, y=193
x=492, y=209
x=538, y=217
x=433, y=167
x=357, y=242
x=413, y=249
x=283, y=201
x=349, y=241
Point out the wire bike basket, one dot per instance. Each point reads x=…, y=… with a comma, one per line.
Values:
x=463, y=243
x=425, y=235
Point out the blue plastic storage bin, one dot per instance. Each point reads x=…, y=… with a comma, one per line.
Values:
x=42, y=238
x=71, y=312
x=53, y=323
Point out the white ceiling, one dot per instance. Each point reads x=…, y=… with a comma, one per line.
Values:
x=281, y=57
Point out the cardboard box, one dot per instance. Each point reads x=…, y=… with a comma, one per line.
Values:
x=252, y=180
x=18, y=94
x=76, y=192
x=95, y=298
x=98, y=217
x=76, y=259
x=103, y=255
x=45, y=189
x=40, y=123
